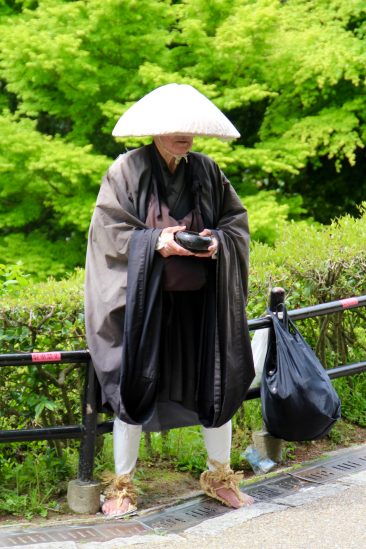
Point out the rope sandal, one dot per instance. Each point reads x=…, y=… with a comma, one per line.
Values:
x=118, y=488
x=222, y=477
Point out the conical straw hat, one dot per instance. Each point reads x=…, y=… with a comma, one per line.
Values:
x=175, y=109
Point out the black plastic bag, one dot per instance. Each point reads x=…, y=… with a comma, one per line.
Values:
x=298, y=399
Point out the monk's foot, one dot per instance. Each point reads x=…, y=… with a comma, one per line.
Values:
x=120, y=496
x=223, y=484
x=232, y=499
x=116, y=508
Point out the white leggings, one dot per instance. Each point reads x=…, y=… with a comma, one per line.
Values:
x=126, y=441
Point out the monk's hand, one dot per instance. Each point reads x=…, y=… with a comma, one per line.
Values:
x=211, y=250
x=168, y=246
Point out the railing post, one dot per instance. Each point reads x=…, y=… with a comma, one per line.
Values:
x=267, y=445
x=276, y=297
x=83, y=494
x=90, y=416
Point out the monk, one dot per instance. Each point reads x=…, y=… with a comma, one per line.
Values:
x=166, y=327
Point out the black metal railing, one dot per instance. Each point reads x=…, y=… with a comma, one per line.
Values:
x=89, y=429
x=86, y=432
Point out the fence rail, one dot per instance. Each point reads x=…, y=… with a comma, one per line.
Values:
x=90, y=429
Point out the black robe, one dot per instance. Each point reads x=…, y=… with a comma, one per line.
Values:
x=124, y=320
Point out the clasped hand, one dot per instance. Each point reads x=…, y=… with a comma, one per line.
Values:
x=171, y=247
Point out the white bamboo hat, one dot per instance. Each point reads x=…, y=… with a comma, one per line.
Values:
x=175, y=109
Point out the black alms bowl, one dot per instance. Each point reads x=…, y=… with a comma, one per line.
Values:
x=192, y=241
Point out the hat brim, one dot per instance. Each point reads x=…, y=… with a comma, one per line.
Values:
x=175, y=109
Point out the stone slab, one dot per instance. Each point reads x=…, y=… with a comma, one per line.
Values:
x=313, y=493
x=358, y=479
x=217, y=525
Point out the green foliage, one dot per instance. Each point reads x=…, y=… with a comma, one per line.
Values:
x=33, y=483
x=12, y=276
x=289, y=74
x=45, y=180
x=50, y=313
x=47, y=316
x=315, y=265
x=352, y=394
x=80, y=58
x=184, y=447
x=269, y=215
x=41, y=257
x=342, y=433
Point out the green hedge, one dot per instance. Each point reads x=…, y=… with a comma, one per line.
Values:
x=41, y=317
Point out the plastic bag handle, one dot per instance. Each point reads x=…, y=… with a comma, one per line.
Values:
x=281, y=314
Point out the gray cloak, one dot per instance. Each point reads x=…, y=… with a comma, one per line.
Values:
x=124, y=321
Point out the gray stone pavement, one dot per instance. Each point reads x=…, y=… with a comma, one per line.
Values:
x=324, y=516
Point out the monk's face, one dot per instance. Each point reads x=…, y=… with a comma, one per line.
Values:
x=176, y=144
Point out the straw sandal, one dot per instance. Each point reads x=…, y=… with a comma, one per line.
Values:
x=223, y=477
x=120, y=487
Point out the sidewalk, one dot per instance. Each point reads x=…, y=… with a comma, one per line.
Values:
x=326, y=515
x=324, y=519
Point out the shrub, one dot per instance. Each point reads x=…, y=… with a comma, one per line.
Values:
x=41, y=317
x=270, y=214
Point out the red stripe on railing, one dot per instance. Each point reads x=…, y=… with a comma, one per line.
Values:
x=349, y=302
x=46, y=357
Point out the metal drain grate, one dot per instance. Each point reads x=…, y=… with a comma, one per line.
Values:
x=189, y=514
x=100, y=532
x=348, y=463
x=184, y=516
x=279, y=487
